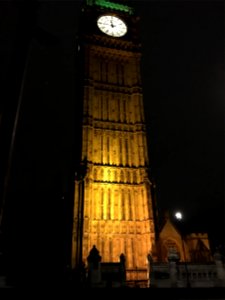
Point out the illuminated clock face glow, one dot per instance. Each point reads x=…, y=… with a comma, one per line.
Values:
x=112, y=25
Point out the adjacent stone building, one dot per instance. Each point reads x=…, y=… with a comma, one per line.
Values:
x=180, y=260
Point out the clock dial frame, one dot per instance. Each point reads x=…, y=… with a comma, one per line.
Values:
x=112, y=25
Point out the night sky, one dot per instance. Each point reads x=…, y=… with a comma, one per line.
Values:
x=183, y=78
x=183, y=86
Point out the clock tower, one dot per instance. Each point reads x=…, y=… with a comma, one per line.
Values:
x=113, y=200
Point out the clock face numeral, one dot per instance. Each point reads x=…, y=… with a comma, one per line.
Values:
x=112, y=25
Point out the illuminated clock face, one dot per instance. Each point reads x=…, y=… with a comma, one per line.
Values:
x=112, y=25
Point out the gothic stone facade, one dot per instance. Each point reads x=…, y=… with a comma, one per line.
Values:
x=116, y=202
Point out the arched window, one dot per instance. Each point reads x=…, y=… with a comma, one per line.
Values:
x=168, y=246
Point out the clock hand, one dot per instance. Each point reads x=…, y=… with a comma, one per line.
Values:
x=112, y=22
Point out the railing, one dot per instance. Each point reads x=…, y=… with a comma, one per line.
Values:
x=137, y=278
x=137, y=283
x=199, y=275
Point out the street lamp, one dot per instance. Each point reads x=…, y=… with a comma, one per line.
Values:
x=179, y=217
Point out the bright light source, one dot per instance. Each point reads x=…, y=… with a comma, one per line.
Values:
x=178, y=215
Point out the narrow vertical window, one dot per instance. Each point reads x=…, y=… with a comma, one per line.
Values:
x=121, y=176
x=109, y=204
x=107, y=107
x=117, y=73
x=102, y=174
x=109, y=175
x=120, y=151
x=133, y=251
x=102, y=204
x=102, y=150
x=124, y=111
x=116, y=214
x=130, y=206
x=122, y=74
x=95, y=174
x=106, y=72
x=101, y=70
x=143, y=202
x=135, y=177
x=108, y=150
x=128, y=176
x=119, y=118
x=127, y=151
x=101, y=106
x=122, y=206
x=115, y=176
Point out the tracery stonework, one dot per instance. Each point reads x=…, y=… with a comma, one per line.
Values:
x=115, y=201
